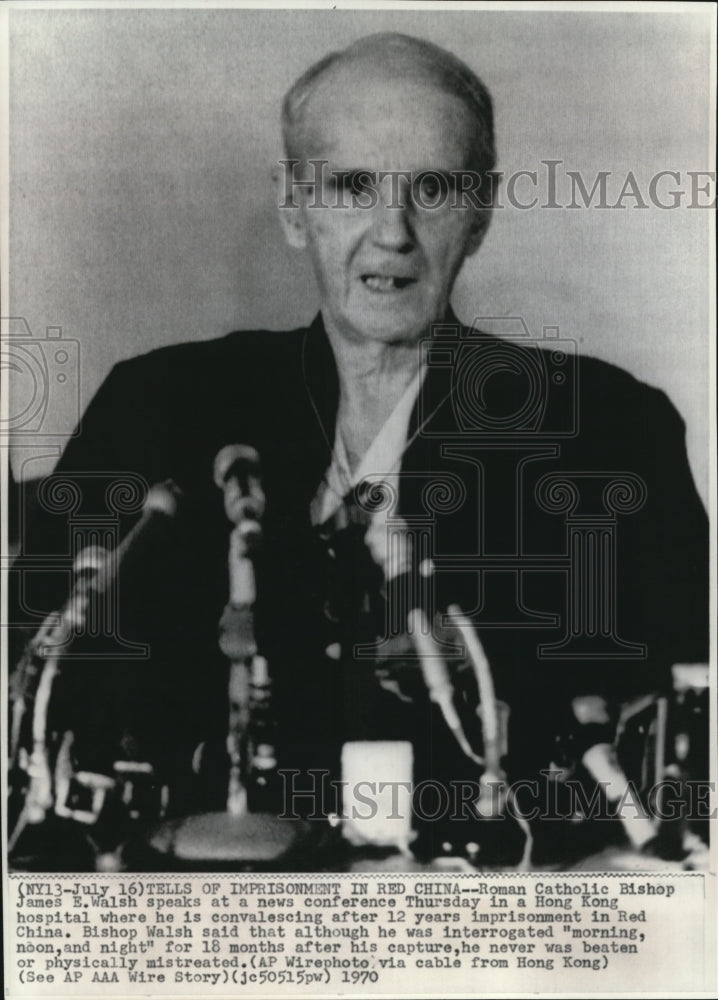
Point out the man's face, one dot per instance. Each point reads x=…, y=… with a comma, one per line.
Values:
x=384, y=273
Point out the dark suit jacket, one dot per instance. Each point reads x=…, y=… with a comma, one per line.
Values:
x=511, y=544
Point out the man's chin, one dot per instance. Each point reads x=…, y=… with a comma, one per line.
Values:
x=391, y=326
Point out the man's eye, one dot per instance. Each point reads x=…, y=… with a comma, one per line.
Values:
x=430, y=188
x=433, y=190
x=357, y=183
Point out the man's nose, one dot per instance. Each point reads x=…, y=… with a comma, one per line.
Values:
x=392, y=223
x=392, y=228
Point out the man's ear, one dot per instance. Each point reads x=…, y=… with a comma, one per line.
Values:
x=479, y=226
x=291, y=216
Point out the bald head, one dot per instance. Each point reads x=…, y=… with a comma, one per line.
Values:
x=388, y=59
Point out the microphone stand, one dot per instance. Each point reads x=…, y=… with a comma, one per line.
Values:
x=95, y=571
x=52, y=639
x=439, y=684
x=237, y=837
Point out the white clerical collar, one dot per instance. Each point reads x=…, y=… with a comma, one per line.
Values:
x=382, y=458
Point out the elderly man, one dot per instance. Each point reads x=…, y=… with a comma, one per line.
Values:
x=438, y=502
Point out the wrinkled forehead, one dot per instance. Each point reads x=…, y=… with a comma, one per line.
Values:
x=363, y=113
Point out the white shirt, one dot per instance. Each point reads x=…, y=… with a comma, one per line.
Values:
x=383, y=457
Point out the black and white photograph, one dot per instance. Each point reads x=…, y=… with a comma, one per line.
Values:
x=358, y=426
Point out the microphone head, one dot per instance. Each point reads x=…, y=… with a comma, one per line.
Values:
x=235, y=459
x=162, y=498
x=390, y=545
x=89, y=560
x=88, y=569
x=250, y=533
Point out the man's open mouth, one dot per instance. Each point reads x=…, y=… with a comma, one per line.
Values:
x=386, y=282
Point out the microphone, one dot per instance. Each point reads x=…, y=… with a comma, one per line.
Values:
x=94, y=571
x=391, y=550
x=36, y=684
x=237, y=836
x=159, y=508
x=237, y=473
x=437, y=677
x=56, y=633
